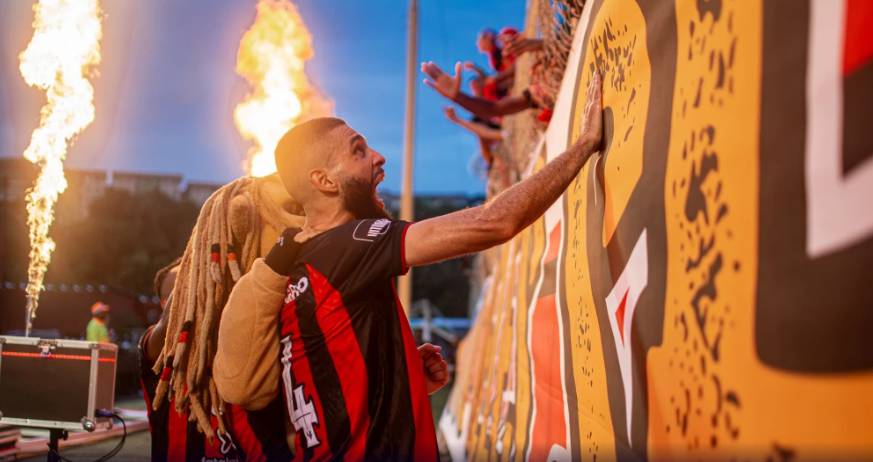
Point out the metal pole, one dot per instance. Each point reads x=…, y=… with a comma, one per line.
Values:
x=406, y=195
x=426, y=326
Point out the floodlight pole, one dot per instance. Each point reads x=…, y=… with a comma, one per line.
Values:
x=406, y=195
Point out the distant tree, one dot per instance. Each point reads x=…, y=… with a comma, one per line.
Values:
x=122, y=240
x=14, y=244
x=445, y=284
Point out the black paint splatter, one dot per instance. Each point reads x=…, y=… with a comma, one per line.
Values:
x=704, y=248
x=782, y=453
x=712, y=7
x=708, y=291
x=695, y=202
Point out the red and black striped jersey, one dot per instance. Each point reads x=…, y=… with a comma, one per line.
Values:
x=353, y=380
x=252, y=435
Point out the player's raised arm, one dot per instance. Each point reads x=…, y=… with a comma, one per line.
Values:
x=478, y=228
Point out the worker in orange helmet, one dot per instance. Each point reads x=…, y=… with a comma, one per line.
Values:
x=97, y=331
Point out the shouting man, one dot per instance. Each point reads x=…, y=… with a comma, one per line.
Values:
x=355, y=386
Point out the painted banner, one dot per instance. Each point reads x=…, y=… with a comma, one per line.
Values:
x=703, y=290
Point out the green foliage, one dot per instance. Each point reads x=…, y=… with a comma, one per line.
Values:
x=445, y=284
x=122, y=240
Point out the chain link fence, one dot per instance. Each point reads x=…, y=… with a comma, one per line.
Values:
x=554, y=21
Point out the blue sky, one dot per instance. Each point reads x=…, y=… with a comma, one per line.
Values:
x=167, y=86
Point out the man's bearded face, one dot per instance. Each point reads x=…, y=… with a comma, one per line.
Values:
x=362, y=200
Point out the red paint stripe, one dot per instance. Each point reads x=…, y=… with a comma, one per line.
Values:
x=18, y=354
x=177, y=434
x=425, y=435
x=554, y=244
x=619, y=315
x=549, y=426
x=858, y=38
x=339, y=336
x=183, y=337
x=244, y=436
x=303, y=376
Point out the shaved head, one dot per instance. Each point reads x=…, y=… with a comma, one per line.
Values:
x=326, y=165
x=308, y=146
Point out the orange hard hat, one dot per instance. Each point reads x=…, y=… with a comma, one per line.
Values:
x=99, y=308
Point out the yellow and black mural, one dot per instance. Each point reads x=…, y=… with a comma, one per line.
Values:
x=703, y=289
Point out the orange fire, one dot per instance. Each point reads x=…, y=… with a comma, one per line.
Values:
x=65, y=47
x=272, y=56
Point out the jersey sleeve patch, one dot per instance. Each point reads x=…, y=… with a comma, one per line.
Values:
x=370, y=230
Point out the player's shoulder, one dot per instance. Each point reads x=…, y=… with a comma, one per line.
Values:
x=351, y=236
x=366, y=230
x=370, y=230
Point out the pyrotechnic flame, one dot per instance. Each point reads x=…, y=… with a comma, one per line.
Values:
x=64, y=48
x=271, y=57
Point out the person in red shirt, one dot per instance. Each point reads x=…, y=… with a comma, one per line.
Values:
x=491, y=44
x=354, y=384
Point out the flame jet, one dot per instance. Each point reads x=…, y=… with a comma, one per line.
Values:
x=64, y=49
x=271, y=57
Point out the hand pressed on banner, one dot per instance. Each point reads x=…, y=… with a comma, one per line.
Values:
x=592, y=117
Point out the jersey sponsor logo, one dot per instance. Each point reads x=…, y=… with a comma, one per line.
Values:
x=295, y=289
x=368, y=231
x=301, y=411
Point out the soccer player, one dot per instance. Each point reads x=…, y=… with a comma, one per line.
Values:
x=354, y=384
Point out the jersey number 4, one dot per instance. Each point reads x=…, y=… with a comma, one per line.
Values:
x=300, y=410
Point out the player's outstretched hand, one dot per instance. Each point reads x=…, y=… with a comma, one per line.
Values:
x=436, y=369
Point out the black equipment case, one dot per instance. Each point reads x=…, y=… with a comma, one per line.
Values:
x=56, y=383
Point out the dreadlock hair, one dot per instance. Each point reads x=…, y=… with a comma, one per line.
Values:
x=232, y=218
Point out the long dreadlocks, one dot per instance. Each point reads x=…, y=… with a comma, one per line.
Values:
x=234, y=217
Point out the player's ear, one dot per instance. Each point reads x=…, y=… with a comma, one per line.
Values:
x=323, y=182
